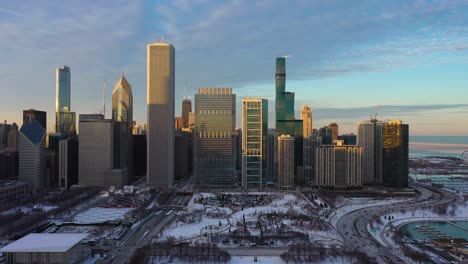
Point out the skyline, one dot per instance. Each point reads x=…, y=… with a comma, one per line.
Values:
x=414, y=52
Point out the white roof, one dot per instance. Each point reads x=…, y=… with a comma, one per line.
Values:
x=45, y=242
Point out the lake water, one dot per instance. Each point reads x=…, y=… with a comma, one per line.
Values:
x=452, y=229
x=422, y=146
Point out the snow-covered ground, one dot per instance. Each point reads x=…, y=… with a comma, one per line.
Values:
x=97, y=215
x=212, y=218
x=273, y=260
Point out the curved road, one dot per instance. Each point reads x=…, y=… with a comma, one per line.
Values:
x=353, y=225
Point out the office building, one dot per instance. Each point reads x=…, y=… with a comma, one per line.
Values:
x=395, y=154
x=370, y=138
x=238, y=149
x=306, y=116
x=39, y=116
x=182, y=156
x=191, y=120
x=4, y=131
x=339, y=166
x=160, y=100
x=95, y=150
x=311, y=143
x=214, y=150
x=64, y=118
x=68, y=162
x=285, y=162
x=348, y=139
x=179, y=123
x=33, y=154
x=12, y=190
x=272, y=156
x=334, y=132
x=325, y=133
x=186, y=109
x=254, y=142
x=122, y=119
x=139, y=156
x=8, y=165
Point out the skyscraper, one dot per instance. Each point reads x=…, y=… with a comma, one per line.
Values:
x=160, y=100
x=254, y=142
x=339, y=166
x=370, y=138
x=186, y=109
x=95, y=150
x=334, y=132
x=285, y=162
x=122, y=117
x=395, y=154
x=39, y=116
x=311, y=143
x=214, y=150
x=286, y=124
x=306, y=116
x=64, y=118
x=33, y=155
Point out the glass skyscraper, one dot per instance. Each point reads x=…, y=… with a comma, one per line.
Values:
x=214, y=157
x=64, y=119
x=254, y=142
x=122, y=117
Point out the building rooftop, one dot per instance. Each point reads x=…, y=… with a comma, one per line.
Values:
x=45, y=242
x=33, y=131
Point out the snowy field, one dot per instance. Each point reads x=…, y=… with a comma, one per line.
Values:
x=206, y=218
x=98, y=215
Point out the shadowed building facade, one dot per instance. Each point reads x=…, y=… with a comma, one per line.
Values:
x=214, y=149
x=285, y=162
x=160, y=101
x=186, y=109
x=254, y=142
x=395, y=154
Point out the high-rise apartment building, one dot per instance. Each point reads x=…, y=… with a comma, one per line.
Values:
x=285, y=162
x=339, y=166
x=160, y=100
x=39, y=116
x=33, y=154
x=311, y=143
x=64, y=118
x=214, y=150
x=395, y=154
x=95, y=150
x=122, y=118
x=306, y=116
x=334, y=132
x=254, y=142
x=186, y=109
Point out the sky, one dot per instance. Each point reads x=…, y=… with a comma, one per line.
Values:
x=345, y=58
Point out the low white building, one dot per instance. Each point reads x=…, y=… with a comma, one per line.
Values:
x=47, y=248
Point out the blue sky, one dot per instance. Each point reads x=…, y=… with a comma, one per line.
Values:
x=344, y=57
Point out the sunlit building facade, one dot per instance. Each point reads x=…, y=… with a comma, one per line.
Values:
x=306, y=116
x=64, y=118
x=186, y=109
x=122, y=118
x=254, y=142
x=160, y=107
x=395, y=136
x=285, y=162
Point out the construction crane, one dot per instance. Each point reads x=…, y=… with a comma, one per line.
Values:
x=373, y=118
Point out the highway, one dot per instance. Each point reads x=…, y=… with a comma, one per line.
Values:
x=353, y=225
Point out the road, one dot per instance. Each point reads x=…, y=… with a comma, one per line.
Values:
x=149, y=227
x=353, y=225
